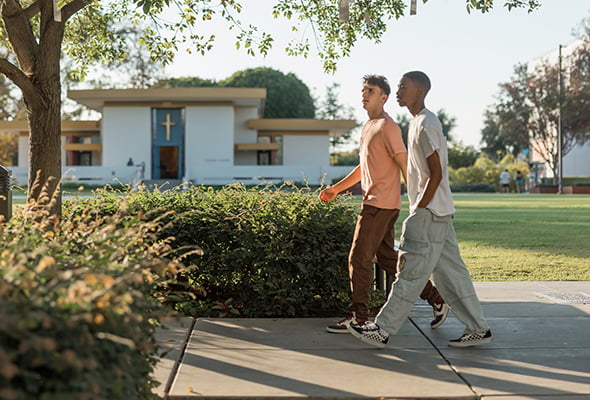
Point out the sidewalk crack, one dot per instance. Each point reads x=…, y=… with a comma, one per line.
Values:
x=451, y=366
x=178, y=362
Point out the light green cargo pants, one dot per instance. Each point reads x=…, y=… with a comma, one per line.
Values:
x=428, y=246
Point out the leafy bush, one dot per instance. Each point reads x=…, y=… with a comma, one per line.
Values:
x=274, y=252
x=484, y=172
x=76, y=317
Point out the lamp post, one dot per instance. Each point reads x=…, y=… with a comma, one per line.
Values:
x=559, y=129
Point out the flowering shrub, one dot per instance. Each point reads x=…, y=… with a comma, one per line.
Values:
x=76, y=316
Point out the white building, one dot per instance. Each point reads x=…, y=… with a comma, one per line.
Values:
x=210, y=136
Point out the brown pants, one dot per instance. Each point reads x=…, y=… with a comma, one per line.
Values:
x=374, y=238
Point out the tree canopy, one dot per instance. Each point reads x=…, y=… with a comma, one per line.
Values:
x=531, y=106
x=36, y=33
x=331, y=108
x=286, y=95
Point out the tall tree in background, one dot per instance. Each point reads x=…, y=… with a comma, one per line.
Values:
x=188, y=81
x=448, y=123
x=286, y=95
x=35, y=33
x=495, y=144
x=135, y=70
x=506, y=124
x=527, y=111
x=330, y=108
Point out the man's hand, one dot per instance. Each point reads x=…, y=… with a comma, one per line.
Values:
x=327, y=194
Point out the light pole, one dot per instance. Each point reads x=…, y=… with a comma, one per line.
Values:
x=559, y=129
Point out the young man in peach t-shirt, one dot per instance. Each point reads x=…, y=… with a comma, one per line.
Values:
x=383, y=158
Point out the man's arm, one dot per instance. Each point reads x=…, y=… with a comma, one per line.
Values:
x=329, y=193
x=401, y=159
x=433, y=161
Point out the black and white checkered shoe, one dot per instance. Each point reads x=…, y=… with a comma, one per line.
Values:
x=440, y=312
x=472, y=339
x=370, y=333
x=342, y=325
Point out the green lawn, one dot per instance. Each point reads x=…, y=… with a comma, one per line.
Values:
x=525, y=237
x=522, y=237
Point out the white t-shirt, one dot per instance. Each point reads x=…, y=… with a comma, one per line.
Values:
x=504, y=178
x=424, y=138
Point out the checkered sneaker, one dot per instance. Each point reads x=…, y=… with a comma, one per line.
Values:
x=472, y=339
x=370, y=333
x=342, y=325
x=440, y=312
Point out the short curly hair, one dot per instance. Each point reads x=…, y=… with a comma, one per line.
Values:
x=378, y=80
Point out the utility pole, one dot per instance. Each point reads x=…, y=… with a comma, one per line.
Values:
x=559, y=129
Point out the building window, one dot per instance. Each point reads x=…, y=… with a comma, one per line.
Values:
x=271, y=157
x=85, y=158
x=79, y=158
x=264, y=157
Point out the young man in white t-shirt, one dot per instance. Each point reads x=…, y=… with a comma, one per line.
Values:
x=505, y=181
x=383, y=157
x=428, y=241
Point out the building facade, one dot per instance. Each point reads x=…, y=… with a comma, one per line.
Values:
x=210, y=136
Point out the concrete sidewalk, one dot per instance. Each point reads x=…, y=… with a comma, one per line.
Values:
x=541, y=350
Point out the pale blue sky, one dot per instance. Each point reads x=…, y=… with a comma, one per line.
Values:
x=465, y=55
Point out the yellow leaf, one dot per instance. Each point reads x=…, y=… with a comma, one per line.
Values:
x=44, y=263
x=90, y=279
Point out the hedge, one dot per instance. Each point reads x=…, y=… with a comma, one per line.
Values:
x=267, y=252
x=473, y=188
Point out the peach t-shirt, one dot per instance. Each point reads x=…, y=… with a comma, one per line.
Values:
x=381, y=139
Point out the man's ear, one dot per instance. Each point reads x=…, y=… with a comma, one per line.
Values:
x=422, y=91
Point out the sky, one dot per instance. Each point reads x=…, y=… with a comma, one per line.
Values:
x=465, y=55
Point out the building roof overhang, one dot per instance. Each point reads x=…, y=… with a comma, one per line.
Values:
x=97, y=98
x=332, y=127
x=67, y=127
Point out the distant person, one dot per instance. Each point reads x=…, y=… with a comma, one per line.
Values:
x=130, y=162
x=141, y=166
x=383, y=157
x=428, y=242
x=519, y=182
x=505, y=181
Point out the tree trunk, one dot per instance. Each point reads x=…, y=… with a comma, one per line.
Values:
x=44, y=115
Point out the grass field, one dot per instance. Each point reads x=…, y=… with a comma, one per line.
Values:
x=525, y=237
x=522, y=237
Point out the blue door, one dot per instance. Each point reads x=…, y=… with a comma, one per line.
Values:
x=167, y=143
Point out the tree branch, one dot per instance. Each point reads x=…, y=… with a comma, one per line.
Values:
x=72, y=8
x=20, y=35
x=32, y=10
x=13, y=73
